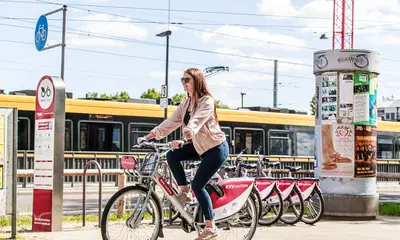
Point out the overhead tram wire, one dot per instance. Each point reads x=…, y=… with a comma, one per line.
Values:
x=159, y=59
x=187, y=11
x=84, y=33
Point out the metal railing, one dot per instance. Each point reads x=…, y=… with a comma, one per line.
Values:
x=92, y=162
x=111, y=161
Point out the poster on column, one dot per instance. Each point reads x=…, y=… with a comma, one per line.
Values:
x=337, y=150
x=361, y=99
x=2, y=150
x=317, y=95
x=329, y=97
x=345, y=114
x=373, y=92
x=365, y=151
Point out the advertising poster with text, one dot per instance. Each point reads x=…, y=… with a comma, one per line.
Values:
x=337, y=150
x=346, y=98
x=365, y=151
x=329, y=98
x=373, y=93
x=361, y=99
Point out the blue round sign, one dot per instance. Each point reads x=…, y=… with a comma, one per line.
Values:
x=41, y=32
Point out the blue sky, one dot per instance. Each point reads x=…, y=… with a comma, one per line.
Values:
x=283, y=33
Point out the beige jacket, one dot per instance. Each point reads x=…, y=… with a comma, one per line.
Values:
x=204, y=129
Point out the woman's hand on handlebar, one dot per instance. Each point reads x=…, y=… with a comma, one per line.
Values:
x=141, y=139
x=177, y=144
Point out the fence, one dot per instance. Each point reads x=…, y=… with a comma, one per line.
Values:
x=74, y=162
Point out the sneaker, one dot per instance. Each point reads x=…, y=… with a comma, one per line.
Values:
x=208, y=234
x=185, y=197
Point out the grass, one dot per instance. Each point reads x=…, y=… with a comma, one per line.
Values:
x=389, y=209
x=26, y=220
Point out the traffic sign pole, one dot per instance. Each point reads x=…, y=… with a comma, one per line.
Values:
x=42, y=31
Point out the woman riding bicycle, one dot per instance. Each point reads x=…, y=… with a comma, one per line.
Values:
x=203, y=139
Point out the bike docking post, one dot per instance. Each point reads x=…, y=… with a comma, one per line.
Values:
x=345, y=131
x=100, y=174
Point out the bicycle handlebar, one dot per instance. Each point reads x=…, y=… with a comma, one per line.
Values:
x=156, y=146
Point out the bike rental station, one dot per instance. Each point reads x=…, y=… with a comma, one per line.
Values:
x=243, y=194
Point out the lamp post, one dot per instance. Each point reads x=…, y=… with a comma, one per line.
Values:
x=166, y=34
x=242, y=97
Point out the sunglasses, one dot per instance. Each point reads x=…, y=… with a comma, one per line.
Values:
x=185, y=79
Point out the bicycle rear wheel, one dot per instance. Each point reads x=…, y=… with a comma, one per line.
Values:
x=314, y=207
x=272, y=208
x=293, y=205
x=122, y=214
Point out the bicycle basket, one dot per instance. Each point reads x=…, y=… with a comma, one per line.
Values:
x=148, y=164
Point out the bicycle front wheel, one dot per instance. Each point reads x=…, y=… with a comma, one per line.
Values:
x=127, y=210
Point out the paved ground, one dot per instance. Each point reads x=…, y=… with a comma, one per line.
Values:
x=381, y=229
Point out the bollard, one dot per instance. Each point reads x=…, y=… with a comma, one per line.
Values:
x=84, y=190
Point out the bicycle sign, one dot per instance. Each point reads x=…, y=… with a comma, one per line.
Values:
x=45, y=93
x=41, y=32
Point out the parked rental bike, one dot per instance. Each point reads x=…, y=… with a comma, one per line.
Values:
x=232, y=201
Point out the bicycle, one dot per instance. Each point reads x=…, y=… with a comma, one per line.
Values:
x=309, y=188
x=228, y=197
x=270, y=197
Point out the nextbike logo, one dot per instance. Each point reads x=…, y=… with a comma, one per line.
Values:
x=166, y=187
x=230, y=186
x=45, y=94
x=359, y=60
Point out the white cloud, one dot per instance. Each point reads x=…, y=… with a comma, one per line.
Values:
x=223, y=36
x=316, y=16
x=116, y=27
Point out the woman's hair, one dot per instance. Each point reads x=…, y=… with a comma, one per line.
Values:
x=200, y=87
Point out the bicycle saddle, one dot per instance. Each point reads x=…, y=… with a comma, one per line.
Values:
x=230, y=168
x=249, y=166
x=265, y=159
x=271, y=164
x=193, y=165
x=293, y=169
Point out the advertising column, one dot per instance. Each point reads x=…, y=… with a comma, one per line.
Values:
x=49, y=155
x=345, y=130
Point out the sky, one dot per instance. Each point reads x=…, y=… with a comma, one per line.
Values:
x=111, y=45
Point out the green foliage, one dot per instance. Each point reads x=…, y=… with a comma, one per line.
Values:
x=177, y=98
x=151, y=94
x=312, y=106
x=221, y=105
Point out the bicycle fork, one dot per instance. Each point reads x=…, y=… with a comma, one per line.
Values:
x=134, y=221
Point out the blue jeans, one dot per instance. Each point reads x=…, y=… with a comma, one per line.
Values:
x=211, y=161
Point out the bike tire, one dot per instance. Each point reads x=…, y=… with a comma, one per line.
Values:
x=299, y=215
x=321, y=213
x=103, y=223
x=258, y=202
x=278, y=215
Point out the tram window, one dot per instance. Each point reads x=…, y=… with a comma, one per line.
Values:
x=251, y=139
x=68, y=136
x=397, y=155
x=305, y=143
x=385, y=147
x=279, y=143
x=23, y=134
x=100, y=136
x=228, y=135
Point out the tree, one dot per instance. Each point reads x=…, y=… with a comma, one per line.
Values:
x=221, y=105
x=151, y=94
x=118, y=96
x=312, y=106
x=177, y=98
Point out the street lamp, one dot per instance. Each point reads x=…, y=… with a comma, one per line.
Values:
x=242, y=97
x=166, y=34
x=211, y=71
x=323, y=36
